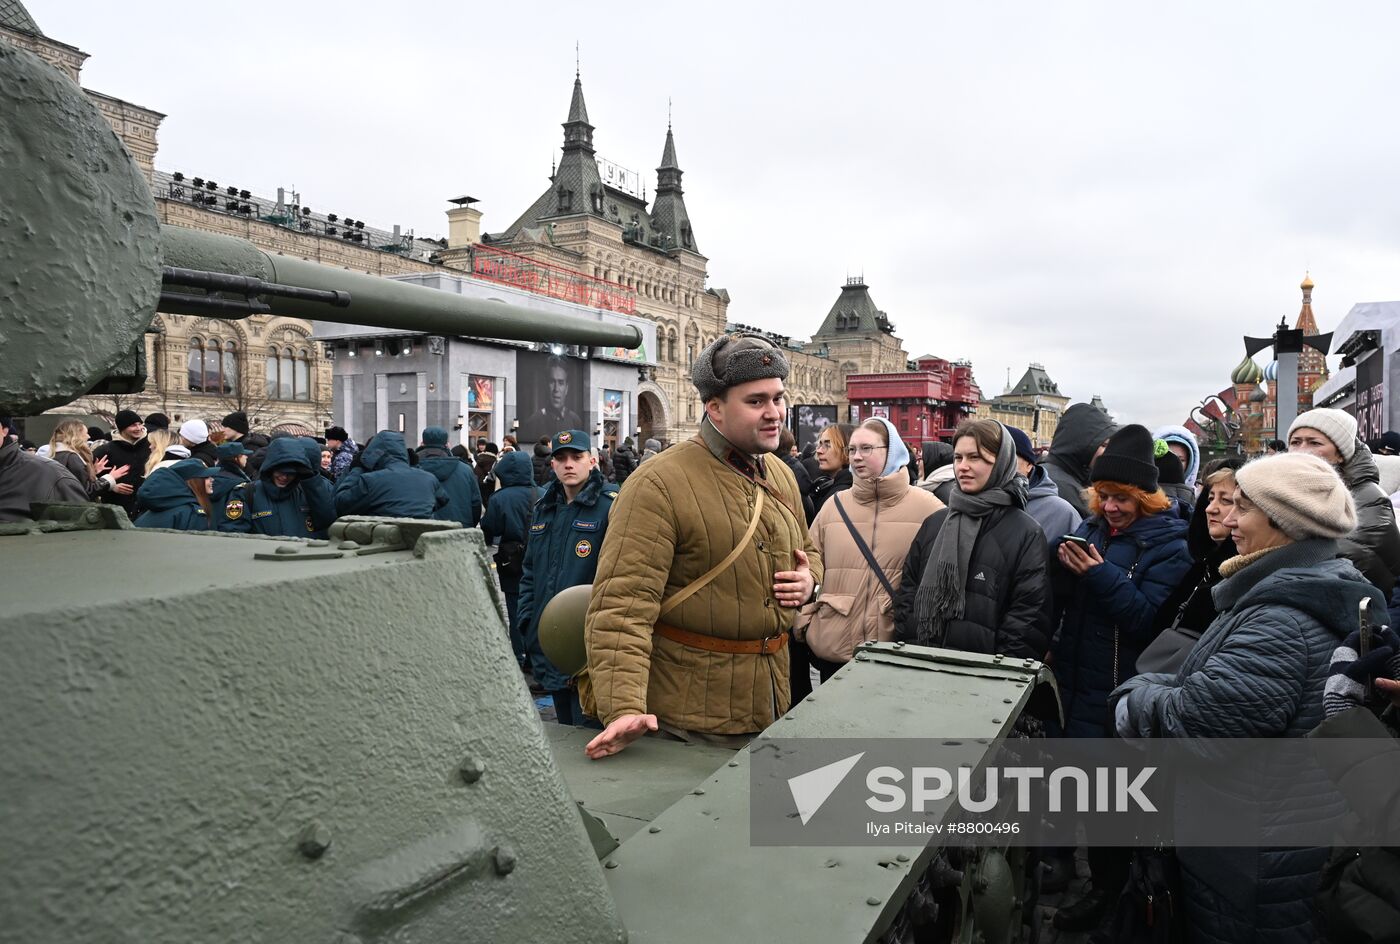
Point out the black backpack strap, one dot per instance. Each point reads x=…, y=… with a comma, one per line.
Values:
x=864, y=548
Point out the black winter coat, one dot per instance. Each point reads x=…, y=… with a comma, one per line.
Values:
x=1007, y=601
x=823, y=488
x=508, y=513
x=544, y=472
x=120, y=453
x=1374, y=547
x=1190, y=606
x=804, y=485
x=485, y=462
x=205, y=452
x=1077, y=437
x=624, y=459
x=1358, y=901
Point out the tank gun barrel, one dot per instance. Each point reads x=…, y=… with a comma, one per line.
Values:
x=282, y=285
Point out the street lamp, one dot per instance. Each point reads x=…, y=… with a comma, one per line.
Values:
x=1287, y=344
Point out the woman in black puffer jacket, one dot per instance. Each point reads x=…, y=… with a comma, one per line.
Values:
x=1191, y=607
x=976, y=577
x=1374, y=546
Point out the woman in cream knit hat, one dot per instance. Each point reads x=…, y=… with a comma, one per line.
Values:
x=1259, y=671
x=1374, y=544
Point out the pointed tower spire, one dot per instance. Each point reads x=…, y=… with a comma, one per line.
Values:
x=577, y=186
x=668, y=215
x=578, y=113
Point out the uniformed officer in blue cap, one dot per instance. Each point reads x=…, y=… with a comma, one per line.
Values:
x=566, y=531
x=230, y=473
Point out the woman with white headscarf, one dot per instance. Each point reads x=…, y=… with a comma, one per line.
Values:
x=976, y=577
x=863, y=535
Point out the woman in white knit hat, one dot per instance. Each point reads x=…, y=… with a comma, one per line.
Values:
x=1374, y=545
x=1259, y=671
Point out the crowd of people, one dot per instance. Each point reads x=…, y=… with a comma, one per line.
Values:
x=730, y=573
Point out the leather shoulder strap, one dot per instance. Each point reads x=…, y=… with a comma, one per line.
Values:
x=863, y=547
x=695, y=586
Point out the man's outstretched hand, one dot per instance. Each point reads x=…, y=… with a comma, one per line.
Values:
x=619, y=734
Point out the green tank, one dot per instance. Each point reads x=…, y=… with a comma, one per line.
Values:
x=215, y=737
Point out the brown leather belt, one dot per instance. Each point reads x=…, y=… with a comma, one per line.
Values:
x=766, y=646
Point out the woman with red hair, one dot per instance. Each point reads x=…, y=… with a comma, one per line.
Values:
x=1110, y=578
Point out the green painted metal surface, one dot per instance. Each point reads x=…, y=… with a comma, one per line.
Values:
x=201, y=745
x=630, y=789
x=79, y=242
x=750, y=893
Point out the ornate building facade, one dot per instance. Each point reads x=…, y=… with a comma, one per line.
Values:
x=594, y=219
x=1033, y=405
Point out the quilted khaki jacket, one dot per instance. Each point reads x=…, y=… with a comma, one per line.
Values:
x=854, y=607
x=679, y=515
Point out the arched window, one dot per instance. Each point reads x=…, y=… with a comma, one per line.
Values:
x=212, y=366
x=671, y=345
x=195, y=368
x=692, y=340
x=213, y=362
x=229, y=373
x=272, y=386
x=285, y=372
x=303, y=375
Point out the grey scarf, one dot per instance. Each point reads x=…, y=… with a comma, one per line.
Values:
x=940, y=597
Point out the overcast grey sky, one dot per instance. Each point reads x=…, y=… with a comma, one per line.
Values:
x=1115, y=190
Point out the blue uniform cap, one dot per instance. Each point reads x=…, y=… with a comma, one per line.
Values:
x=191, y=469
x=570, y=439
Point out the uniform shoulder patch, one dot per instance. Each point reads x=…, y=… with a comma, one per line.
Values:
x=611, y=492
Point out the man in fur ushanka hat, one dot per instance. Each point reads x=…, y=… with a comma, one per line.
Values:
x=706, y=563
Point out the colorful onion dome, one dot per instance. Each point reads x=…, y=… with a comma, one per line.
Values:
x=1247, y=372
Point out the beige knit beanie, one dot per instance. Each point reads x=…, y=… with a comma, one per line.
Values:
x=1302, y=494
x=1337, y=425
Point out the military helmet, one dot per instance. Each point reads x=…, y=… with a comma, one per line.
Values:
x=561, y=628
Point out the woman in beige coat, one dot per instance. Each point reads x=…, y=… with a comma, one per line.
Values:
x=855, y=605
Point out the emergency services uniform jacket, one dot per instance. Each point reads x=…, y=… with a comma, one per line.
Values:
x=383, y=483
x=458, y=481
x=303, y=509
x=561, y=551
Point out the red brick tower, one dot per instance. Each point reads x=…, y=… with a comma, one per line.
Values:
x=1312, y=363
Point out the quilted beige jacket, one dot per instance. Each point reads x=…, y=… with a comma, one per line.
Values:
x=679, y=515
x=854, y=607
